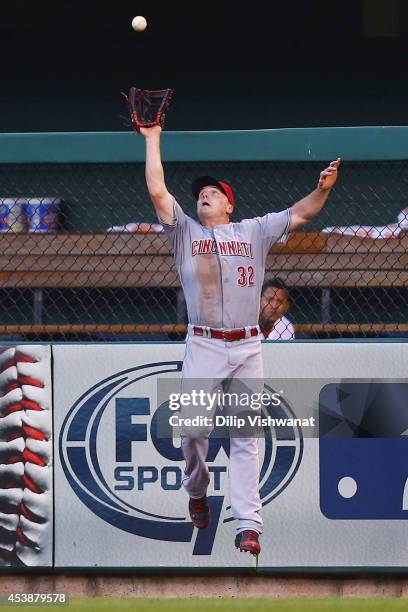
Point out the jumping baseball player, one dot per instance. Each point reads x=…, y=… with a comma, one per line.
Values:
x=221, y=267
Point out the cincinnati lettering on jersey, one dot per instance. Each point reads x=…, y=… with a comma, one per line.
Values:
x=225, y=247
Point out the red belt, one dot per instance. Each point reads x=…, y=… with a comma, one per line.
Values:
x=229, y=335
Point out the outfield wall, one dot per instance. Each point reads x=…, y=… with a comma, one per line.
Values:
x=334, y=497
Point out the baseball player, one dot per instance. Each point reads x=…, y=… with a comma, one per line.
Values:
x=275, y=303
x=221, y=268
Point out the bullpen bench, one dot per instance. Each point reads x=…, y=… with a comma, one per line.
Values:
x=126, y=260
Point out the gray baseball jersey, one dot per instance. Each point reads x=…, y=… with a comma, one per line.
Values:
x=222, y=269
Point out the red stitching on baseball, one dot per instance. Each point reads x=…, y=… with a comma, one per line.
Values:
x=33, y=457
x=31, y=432
x=31, y=516
x=11, y=387
x=27, y=380
x=30, y=484
x=24, y=539
x=27, y=432
x=12, y=408
x=30, y=405
x=25, y=511
x=25, y=359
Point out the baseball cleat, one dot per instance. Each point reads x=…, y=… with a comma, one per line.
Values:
x=200, y=512
x=248, y=541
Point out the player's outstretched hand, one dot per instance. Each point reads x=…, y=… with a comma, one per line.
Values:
x=150, y=131
x=329, y=176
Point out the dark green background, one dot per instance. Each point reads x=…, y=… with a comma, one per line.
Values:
x=234, y=65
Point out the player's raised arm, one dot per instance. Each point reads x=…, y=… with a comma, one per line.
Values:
x=161, y=198
x=305, y=209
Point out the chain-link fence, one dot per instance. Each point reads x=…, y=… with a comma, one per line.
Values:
x=83, y=256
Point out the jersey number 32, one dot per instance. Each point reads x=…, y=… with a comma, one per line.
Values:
x=246, y=276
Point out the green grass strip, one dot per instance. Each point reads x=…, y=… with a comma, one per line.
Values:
x=229, y=604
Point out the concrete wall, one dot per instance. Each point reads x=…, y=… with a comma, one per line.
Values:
x=166, y=586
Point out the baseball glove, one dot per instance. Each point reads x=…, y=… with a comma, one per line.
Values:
x=147, y=107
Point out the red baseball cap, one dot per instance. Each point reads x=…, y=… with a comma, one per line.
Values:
x=205, y=181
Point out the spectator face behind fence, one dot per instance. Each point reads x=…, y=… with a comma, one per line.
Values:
x=275, y=303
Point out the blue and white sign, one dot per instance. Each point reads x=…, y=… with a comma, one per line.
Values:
x=364, y=450
x=123, y=472
x=328, y=501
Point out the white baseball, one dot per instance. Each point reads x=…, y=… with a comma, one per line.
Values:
x=26, y=531
x=139, y=23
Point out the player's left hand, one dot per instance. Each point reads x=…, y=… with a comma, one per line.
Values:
x=329, y=176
